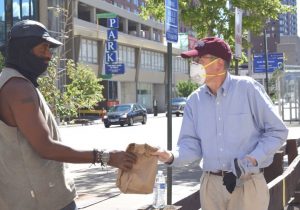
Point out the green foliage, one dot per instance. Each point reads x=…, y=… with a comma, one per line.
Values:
x=48, y=87
x=276, y=75
x=2, y=61
x=215, y=18
x=84, y=90
x=185, y=88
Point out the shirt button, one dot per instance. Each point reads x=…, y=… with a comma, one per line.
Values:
x=221, y=149
x=219, y=118
x=220, y=134
x=218, y=102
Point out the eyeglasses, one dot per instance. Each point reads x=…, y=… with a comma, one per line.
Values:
x=200, y=59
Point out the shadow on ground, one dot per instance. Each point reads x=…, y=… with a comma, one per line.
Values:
x=96, y=184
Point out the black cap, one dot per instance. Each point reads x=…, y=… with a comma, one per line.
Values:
x=31, y=28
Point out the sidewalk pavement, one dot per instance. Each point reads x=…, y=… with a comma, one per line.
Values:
x=97, y=190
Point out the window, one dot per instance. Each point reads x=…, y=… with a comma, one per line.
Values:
x=180, y=65
x=126, y=55
x=23, y=9
x=112, y=90
x=88, y=51
x=2, y=21
x=152, y=61
x=144, y=94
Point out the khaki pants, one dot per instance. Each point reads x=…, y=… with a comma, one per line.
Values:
x=251, y=194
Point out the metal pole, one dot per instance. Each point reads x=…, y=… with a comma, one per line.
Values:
x=236, y=66
x=266, y=60
x=169, y=134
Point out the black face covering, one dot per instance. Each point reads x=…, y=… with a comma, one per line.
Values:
x=20, y=57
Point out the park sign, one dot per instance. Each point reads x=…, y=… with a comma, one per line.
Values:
x=111, y=48
x=171, y=22
x=275, y=61
x=115, y=68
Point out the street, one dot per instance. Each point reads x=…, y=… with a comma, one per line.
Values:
x=154, y=132
x=96, y=186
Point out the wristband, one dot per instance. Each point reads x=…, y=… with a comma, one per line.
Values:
x=100, y=157
x=171, y=159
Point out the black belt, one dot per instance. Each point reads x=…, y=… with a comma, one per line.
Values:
x=222, y=173
x=219, y=173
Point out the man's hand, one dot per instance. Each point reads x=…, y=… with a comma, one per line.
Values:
x=245, y=166
x=229, y=180
x=122, y=160
x=164, y=156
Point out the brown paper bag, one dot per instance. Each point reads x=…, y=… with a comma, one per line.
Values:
x=140, y=179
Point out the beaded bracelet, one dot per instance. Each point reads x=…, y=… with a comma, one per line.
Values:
x=98, y=157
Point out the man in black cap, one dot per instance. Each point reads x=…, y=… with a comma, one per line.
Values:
x=32, y=175
x=230, y=124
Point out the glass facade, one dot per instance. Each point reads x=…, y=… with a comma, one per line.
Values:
x=12, y=11
x=2, y=22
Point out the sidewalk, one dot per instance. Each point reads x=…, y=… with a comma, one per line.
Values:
x=96, y=188
x=97, y=191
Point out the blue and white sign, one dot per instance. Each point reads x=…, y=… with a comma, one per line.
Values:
x=115, y=68
x=111, y=57
x=113, y=22
x=275, y=61
x=112, y=34
x=111, y=46
x=111, y=65
x=171, y=22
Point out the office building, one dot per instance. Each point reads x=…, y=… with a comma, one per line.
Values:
x=284, y=26
x=140, y=45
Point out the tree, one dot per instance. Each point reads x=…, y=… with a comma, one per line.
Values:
x=273, y=84
x=83, y=91
x=185, y=88
x=2, y=61
x=216, y=17
x=48, y=87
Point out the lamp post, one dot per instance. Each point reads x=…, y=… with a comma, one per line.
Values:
x=266, y=60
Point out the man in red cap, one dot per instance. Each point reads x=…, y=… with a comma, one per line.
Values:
x=33, y=175
x=230, y=124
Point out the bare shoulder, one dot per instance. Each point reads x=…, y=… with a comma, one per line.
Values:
x=20, y=91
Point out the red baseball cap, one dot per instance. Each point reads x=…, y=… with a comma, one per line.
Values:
x=210, y=45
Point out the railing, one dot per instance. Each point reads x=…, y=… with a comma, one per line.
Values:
x=281, y=184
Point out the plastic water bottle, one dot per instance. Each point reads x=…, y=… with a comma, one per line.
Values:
x=159, y=191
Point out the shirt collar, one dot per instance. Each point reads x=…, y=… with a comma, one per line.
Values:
x=225, y=86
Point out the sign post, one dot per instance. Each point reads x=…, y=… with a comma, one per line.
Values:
x=111, y=48
x=275, y=61
x=266, y=60
x=238, y=38
x=171, y=27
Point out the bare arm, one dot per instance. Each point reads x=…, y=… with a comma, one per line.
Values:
x=23, y=106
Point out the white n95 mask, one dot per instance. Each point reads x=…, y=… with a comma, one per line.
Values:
x=197, y=73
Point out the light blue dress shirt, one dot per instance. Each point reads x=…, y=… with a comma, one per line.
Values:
x=239, y=120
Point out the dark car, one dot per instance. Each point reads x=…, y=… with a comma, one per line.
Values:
x=177, y=105
x=123, y=114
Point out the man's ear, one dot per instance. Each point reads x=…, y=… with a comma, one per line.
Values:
x=221, y=63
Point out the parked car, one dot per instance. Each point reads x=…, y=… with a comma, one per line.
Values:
x=177, y=106
x=123, y=114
